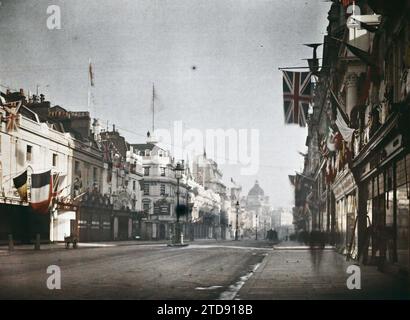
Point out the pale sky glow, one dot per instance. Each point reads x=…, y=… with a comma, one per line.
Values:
x=236, y=47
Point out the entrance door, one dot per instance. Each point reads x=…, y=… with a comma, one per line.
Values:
x=162, y=233
x=73, y=228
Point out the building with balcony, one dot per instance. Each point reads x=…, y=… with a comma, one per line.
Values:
x=159, y=189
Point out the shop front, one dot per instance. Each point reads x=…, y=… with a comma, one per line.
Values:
x=95, y=218
x=384, y=178
x=346, y=220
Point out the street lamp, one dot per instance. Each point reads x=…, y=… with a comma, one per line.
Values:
x=237, y=222
x=256, y=226
x=178, y=175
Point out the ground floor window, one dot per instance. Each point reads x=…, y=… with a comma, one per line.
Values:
x=403, y=211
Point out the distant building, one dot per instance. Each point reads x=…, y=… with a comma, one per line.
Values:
x=159, y=190
x=122, y=175
x=258, y=212
x=206, y=173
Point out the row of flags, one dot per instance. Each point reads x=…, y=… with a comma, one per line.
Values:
x=44, y=187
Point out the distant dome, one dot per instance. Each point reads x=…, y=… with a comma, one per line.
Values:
x=256, y=190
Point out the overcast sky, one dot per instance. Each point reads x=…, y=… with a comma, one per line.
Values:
x=236, y=47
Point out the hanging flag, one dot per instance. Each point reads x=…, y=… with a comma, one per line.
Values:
x=344, y=129
x=41, y=191
x=12, y=109
x=56, y=184
x=107, y=148
x=91, y=73
x=362, y=55
x=297, y=95
x=292, y=179
x=20, y=182
x=346, y=3
x=330, y=143
x=341, y=120
x=366, y=57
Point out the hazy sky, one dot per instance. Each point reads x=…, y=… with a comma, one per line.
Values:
x=236, y=46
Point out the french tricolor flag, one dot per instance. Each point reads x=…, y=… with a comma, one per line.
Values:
x=41, y=191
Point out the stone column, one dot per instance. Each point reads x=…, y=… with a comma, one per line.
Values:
x=351, y=92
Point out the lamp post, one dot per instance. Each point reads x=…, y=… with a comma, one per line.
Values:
x=256, y=226
x=237, y=220
x=178, y=175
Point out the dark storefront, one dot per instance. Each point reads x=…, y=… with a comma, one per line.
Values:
x=95, y=221
x=384, y=177
x=22, y=223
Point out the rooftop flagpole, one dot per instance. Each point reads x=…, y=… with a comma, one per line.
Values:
x=153, y=108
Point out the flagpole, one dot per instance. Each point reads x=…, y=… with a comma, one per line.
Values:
x=153, y=108
x=89, y=85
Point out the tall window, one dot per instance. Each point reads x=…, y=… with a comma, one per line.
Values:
x=146, y=189
x=134, y=185
x=55, y=157
x=29, y=153
x=77, y=169
x=146, y=208
x=95, y=175
x=403, y=209
x=162, y=191
x=163, y=171
x=146, y=171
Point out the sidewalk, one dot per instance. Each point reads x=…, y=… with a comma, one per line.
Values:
x=81, y=245
x=20, y=248
x=305, y=274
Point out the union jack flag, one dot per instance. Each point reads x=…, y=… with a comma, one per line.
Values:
x=296, y=96
x=12, y=117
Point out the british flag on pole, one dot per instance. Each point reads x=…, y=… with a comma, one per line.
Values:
x=297, y=95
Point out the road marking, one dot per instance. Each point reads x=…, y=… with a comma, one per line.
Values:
x=208, y=288
x=302, y=248
x=233, y=290
x=208, y=246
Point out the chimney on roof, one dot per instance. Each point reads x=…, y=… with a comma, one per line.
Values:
x=113, y=128
x=151, y=138
x=97, y=130
x=22, y=92
x=42, y=97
